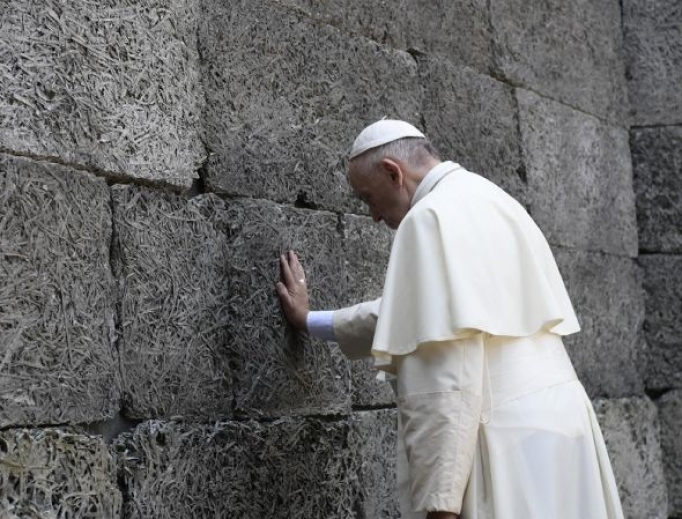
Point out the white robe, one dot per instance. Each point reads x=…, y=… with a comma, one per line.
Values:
x=492, y=420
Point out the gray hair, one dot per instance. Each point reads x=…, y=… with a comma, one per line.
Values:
x=412, y=150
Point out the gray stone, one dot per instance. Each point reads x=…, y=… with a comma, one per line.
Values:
x=290, y=468
x=568, y=51
x=458, y=31
x=170, y=261
x=670, y=415
x=579, y=177
x=631, y=432
x=50, y=473
x=663, y=325
x=278, y=371
x=472, y=119
x=286, y=98
x=606, y=293
x=657, y=168
x=111, y=85
x=57, y=359
x=373, y=439
x=368, y=246
x=652, y=39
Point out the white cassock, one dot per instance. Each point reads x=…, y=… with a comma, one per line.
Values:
x=493, y=423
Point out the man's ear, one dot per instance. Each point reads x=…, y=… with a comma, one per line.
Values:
x=394, y=172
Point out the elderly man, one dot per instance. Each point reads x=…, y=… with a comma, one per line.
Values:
x=493, y=422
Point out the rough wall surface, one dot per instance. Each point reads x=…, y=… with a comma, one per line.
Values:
x=110, y=85
x=56, y=473
x=631, y=431
x=652, y=33
x=568, y=51
x=138, y=316
x=283, y=469
x=293, y=95
x=169, y=257
x=653, y=53
x=57, y=358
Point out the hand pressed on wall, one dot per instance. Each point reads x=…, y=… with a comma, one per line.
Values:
x=293, y=291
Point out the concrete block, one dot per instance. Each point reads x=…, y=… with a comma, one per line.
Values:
x=656, y=163
x=670, y=415
x=287, y=97
x=277, y=371
x=652, y=41
x=606, y=293
x=184, y=471
x=662, y=280
x=459, y=30
x=112, y=85
x=373, y=439
x=170, y=261
x=472, y=119
x=367, y=249
x=568, y=51
x=579, y=177
x=57, y=359
x=51, y=473
x=290, y=468
x=631, y=432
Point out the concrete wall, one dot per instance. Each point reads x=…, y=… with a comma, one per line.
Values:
x=653, y=50
x=157, y=156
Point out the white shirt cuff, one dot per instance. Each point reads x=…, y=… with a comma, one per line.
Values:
x=320, y=324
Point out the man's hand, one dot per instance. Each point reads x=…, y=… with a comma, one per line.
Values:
x=292, y=291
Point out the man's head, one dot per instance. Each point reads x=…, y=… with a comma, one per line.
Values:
x=387, y=162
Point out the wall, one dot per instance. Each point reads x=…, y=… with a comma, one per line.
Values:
x=157, y=156
x=653, y=45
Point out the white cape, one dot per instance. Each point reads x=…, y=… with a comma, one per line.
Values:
x=466, y=258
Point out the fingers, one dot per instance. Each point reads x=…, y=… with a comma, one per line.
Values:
x=282, y=292
x=292, y=271
x=296, y=267
x=287, y=274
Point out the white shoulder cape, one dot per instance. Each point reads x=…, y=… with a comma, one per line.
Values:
x=468, y=258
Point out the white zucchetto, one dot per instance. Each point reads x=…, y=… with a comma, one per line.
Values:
x=380, y=133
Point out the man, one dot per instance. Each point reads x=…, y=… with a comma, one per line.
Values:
x=493, y=422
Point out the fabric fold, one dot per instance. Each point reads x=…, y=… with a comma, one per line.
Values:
x=483, y=265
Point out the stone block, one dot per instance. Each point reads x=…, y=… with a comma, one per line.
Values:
x=368, y=247
x=112, y=85
x=57, y=359
x=652, y=41
x=276, y=370
x=472, y=119
x=670, y=415
x=568, y=51
x=459, y=30
x=287, y=97
x=662, y=280
x=51, y=473
x=606, y=293
x=579, y=177
x=631, y=432
x=373, y=439
x=173, y=279
x=290, y=468
x=657, y=169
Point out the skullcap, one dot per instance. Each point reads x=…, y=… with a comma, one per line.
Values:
x=380, y=133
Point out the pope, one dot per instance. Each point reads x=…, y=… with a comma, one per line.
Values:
x=492, y=420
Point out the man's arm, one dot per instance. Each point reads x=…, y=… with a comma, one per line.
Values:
x=352, y=328
x=439, y=401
